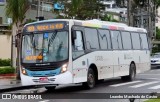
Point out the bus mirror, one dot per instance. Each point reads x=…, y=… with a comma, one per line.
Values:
x=17, y=37
x=16, y=42
x=74, y=35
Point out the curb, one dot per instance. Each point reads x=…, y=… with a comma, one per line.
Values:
x=7, y=76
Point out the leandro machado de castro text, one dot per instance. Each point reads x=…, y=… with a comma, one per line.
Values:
x=125, y=96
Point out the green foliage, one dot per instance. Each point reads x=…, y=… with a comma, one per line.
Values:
x=157, y=3
x=157, y=33
x=5, y=62
x=156, y=48
x=7, y=70
x=114, y=20
x=86, y=9
x=153, y=100
x=16, y=9
x=29, y=21
x=108, y=17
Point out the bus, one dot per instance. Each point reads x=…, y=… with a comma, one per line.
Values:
x=67, y=51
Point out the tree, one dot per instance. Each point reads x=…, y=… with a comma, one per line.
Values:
x=86, y=9
x=69, y=8
x=16, y=9
x=157, y=33
x=157, y=3
x=143, y=2
x=108, y=17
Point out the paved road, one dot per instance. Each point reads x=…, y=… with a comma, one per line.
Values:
x=147, y=82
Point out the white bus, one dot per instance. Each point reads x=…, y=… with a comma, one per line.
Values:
x=64, y=51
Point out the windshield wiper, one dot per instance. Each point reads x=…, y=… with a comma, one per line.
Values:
x=52, y=38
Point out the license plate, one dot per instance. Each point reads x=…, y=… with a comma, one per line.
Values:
x=43, y=80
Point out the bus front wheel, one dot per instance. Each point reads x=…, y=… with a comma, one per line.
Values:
x=50, y=88
x=90, y=79
x=132, y=73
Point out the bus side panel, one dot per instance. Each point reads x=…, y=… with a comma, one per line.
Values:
x=122, y=60
x=102, y=60
x=144, y=59
x=136, y=59
x=80, y=69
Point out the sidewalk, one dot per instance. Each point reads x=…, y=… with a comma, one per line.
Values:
x=8, y=82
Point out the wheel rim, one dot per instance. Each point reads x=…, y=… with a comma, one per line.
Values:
x=91, y=80
x=132, y=72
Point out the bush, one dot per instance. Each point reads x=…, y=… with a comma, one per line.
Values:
x=5, y=62
x=7, y=70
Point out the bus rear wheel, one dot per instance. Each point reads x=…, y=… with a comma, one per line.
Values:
x=132, y=73
x=90, y=80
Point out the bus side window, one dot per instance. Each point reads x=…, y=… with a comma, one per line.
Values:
x=144, y=42
x=77, y=44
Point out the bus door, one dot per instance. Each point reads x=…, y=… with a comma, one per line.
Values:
x=79, y=64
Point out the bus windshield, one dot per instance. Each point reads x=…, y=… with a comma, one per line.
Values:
x=45, y=47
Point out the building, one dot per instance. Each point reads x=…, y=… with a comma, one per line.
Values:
x=5, y=33
x=40, y=8
x=118, y=13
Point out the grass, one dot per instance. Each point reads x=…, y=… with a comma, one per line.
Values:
x=4, y=66
x=153, y=100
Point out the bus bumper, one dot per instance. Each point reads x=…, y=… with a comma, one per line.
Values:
x=63, y=78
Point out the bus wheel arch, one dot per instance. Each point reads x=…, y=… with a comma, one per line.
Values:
x=132, y=73
x=93, y=75
x=134, y=66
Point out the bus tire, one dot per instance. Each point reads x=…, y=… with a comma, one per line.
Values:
x=90, y=80
x=132, y=73
x=50, y=88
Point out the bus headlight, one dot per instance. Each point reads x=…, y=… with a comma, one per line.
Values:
x=24, y=71
x=64, y=68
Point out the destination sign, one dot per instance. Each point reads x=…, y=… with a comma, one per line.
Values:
x=44, y=27
x=34, y=57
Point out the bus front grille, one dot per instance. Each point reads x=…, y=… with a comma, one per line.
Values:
x=42, y=68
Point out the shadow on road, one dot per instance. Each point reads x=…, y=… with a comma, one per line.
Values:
x=79, y=88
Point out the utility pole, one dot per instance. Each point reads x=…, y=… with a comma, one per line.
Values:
x=141, y=14
x=129, y=13
x=38, y=10
x=39, y=7
x=150, y=26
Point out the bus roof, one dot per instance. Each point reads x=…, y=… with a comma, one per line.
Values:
x=97, y=24
x=108, y=25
